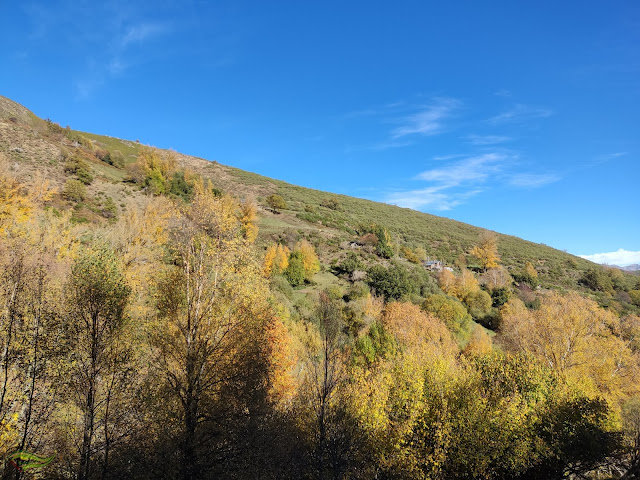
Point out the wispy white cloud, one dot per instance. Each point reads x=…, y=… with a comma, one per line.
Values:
x=432, y=198
x=606, y=158
x=452, y=184
x=519, y=114
x=621, y=257
x=532, y=180
x=440, y=158
x=104, y=38
x=612, y=156
x=458, y=180
x=609, y=157
x=487, y=139
x=428, y=120
x=118, y=58
x=391, y=144
x=143, y=32
x=470, y=170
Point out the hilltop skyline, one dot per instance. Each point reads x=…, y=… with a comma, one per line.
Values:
x=519, y=119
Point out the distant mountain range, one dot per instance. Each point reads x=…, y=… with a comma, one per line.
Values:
x=629, y=268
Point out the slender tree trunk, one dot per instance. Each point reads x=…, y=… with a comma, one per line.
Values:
x=190, y=458
x=90, y=405
x=37, y=316
x=5, y=353
x=107, y=438
x=87, y=439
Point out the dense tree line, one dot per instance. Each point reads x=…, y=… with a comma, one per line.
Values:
x=157, y=347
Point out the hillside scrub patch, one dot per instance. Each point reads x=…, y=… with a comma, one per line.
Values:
x=276, y=203
x=74, y=191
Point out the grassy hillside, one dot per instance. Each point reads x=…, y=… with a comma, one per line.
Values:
x=32, y=145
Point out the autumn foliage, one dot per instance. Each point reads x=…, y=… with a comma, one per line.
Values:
x=154, y=347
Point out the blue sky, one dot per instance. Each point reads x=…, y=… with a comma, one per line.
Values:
x=520, y=117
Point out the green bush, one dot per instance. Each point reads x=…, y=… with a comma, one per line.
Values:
x=79, y=168
x=294, y=273
x=478, y=303
x=335, y=292
x=180, y=187
x=281, y=284
x=330, y=203
x=351, y=263
x=375, y=345
x=155, y=182
x=451, y=312
x=500, y=296
x=357, y=290
x=596, y=280
x=393, y=282
x=74, y=191
x=423, y=281
x=276, y=202
x=109, y=209
x=116, y=158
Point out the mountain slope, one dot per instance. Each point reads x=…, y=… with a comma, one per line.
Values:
x=31, y=145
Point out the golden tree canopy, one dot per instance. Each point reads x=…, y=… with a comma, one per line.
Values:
x=487, y=250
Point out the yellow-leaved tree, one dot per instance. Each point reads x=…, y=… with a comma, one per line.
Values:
x=447, y=282
x=487, y=250
x=388, y=397
x=276, y=260
x=309, y=258
x=575, y=337
x=213, y=329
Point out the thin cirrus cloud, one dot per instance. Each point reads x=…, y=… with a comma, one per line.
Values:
x=428, y=120
x=450, y=185
x=474, y=169
x=520, y=113
x=431, y=197
x=532, y=180
x=481, y=140
x=457, y=181
x=621, y=257
x=119, y=56
x=142, y=32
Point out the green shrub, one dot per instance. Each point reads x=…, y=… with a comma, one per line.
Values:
x=596, y=280
x=294, y=273
x=116, y=158
x=84, y=176
x=109, y=209
x=357, y=290
x=74, y=191
x=393, y=282
x=155, y=182
x=335, y=292
x=451, y=312
x=500, y=296
x=351, y=263
x=375, y=345
x=276, y=202
x=180, y=187
x=79, y=168
x=330, y=203
x=478, y=303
